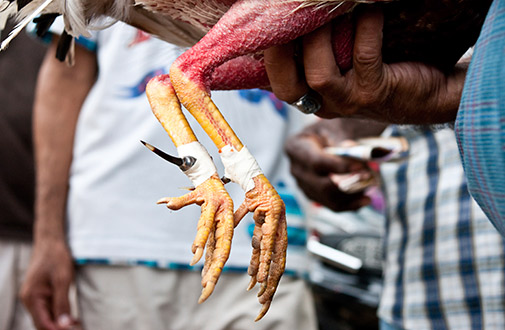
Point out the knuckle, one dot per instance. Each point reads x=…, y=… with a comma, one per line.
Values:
x=366, y=55
x=320, y=83
x=284, y=93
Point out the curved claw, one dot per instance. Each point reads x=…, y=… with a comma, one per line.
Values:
x=269, y=241
x=264, y=310
x=214, y=231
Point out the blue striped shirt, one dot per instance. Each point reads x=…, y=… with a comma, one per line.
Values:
x=445, y=266
x=480, y=126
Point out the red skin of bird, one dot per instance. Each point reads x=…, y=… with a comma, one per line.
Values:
x=223, y=58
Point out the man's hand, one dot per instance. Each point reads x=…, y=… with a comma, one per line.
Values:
x=312, y=167
x=45, y=289
x=408, y=93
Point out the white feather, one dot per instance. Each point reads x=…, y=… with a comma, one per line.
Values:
x=21, y=25
x=8, y=9
x=75, y=21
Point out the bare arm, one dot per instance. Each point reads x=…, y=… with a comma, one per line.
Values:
x=60, y=93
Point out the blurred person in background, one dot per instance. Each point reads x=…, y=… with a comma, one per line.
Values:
x=444, y=261
x=18, y=73
x=98, y=187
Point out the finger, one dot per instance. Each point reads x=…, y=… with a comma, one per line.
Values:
x=321, y=163
x=286, y=80
x=36, y=298
x=335, y=164
x=321, y=70
x=308, y=153
x=41, y=314
x=298, y=146
x=315, y=186
x=323, y=191
x=67, y=322
x=368, y=46
x=61, y=304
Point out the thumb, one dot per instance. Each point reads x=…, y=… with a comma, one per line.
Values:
x=367, y=59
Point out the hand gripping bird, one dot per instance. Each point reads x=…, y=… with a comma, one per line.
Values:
x=227, y=38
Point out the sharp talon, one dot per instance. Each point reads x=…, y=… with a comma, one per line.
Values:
x=264, y=310
x=206, y=292
x=197, y=256
x=184, y=163
x=263, y=288
x=252, y=283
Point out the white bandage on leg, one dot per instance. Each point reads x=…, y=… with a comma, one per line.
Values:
x=240, y=166
x=203, y=168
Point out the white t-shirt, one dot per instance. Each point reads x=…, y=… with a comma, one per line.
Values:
x=115, y=181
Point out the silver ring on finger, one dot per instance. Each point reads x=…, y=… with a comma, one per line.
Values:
x=309, y=103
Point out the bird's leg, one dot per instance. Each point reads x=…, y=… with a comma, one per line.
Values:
x=249, y=26
x=215, y=227
x=241, y=167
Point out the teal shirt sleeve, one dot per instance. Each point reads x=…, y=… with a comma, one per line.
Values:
x=480, y=124
x=57, y=28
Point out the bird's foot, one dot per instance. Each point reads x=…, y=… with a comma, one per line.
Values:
x=215, y=228
x=269, y=241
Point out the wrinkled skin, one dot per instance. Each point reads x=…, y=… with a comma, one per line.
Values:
x=403, y=92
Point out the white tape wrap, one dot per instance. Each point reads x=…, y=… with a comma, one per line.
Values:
x=240, y=166
x=203, y=168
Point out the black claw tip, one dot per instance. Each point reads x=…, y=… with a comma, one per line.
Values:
x=181, y=162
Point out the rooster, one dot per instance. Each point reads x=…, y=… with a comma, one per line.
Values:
x=226, y=40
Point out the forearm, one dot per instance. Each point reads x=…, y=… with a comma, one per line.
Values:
x=60, y=93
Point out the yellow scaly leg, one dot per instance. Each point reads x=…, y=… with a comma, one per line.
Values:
x=270, y=240
x=215, y=227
